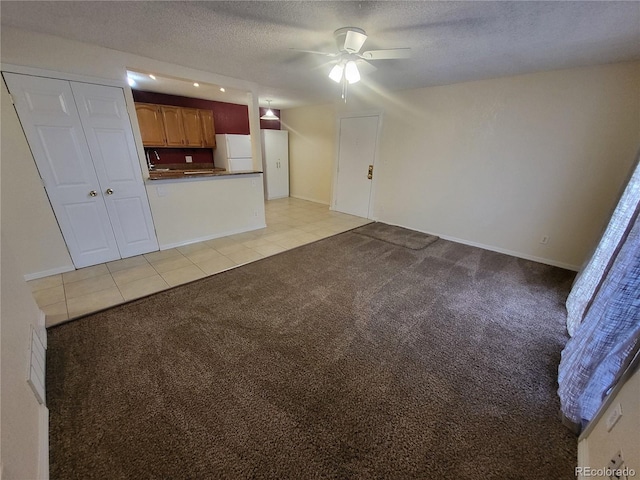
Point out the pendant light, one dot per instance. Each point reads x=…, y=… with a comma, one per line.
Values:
x=269, y=115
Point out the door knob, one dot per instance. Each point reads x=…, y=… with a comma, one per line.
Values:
x=93, y=193
x=108, y=191
x=370, y=173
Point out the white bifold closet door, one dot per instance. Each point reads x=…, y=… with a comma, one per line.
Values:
x=81, y=139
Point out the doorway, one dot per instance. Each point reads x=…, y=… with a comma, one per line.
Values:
x=355, y=170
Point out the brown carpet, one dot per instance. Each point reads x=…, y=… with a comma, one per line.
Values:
x=402, y=237
x=347, y=358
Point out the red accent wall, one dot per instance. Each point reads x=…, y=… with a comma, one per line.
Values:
x=270, y=124
x=227, y=117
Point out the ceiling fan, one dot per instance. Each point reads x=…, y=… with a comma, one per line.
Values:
x=349, y=41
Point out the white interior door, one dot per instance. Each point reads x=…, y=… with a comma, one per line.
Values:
x=356, y=153
x=276, y=151
x=107, y=128
x=53, y=129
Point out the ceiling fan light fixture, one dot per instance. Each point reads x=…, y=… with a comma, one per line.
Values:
x=351, y=72
x=336, y=73
x=269, y=115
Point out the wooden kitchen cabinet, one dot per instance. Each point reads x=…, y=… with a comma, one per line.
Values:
x=168, y=126
x=192, y=127
x=208, y=128
x=151, y=125
x=173, y=126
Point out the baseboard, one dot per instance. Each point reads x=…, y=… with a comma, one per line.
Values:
x=48, y=273
x=309, y=199
x=168, y=246
x=583, y=456
x=533, y=258
x=43, y=443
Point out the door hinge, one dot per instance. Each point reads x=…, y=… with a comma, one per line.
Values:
x=370, y=173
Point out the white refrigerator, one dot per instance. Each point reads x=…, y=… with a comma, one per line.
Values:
x=233, y=152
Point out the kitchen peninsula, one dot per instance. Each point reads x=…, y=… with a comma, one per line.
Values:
x=194, y=208
x=192, y=199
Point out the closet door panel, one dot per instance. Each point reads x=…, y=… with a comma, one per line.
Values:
x=110, y=139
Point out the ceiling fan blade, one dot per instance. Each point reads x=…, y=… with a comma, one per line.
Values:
x=328, y=54
x=365, y=67
x=387, y=54
x=354, y=41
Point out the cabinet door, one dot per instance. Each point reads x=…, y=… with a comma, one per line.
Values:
x=276, y=153
x=173, y=131
x=192, y=128
x=208, y=128
x=150, y=121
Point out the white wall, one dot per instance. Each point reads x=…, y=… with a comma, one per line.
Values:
x=23, y=421
x=195, y=210
x=311, y=151
x=27, y=218
x=32, y=50
x=501, y=163
x=599, y=446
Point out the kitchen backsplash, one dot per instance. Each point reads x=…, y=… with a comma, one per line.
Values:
x=178, y=155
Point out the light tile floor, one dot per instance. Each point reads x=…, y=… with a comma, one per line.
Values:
x=290, y=223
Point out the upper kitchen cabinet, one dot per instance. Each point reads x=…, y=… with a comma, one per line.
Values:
x=168, y=126
x=192, y=127
x=208, y=128
x=151, y=125
x=173, y=126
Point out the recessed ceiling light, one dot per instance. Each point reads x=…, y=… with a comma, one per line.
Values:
x=131, y=81
x=222, y=89
x=196, y=84
x=153, y=77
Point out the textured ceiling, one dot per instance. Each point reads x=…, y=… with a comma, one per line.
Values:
x=451, y=41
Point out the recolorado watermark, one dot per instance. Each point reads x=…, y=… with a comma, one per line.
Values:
x=586, y=472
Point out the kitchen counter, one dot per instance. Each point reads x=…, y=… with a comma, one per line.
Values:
x=212, y=172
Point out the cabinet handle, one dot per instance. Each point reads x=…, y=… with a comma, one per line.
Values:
x=93, y=193
x=108, y=191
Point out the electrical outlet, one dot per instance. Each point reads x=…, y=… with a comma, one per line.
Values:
x=613, y=417
x=188, y=159
x=615, y=467
x=544, y=240
x=616, y=461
